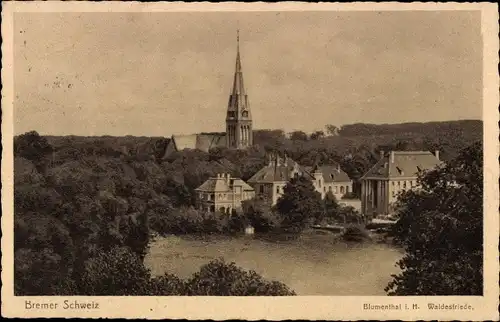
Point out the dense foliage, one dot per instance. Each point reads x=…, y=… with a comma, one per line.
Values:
x=299, y=204
x=441, y=230
x=121, y=272
x=78, y=198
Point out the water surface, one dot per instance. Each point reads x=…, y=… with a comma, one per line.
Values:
x=312, y=264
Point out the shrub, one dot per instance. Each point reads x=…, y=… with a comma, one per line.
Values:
x=355, y=234
x=117, y=272
x=166, y=284
x=221, y=279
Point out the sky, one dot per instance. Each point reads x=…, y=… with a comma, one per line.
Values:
x=158, y=74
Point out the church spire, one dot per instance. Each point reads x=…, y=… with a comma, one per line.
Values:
x=239, y=118
x=238, y=87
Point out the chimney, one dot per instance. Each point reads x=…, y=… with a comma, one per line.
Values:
x=437, y=154
x=338, y=168
x=270, y=159
x=285, y=162
x=392, y=156
x=381, y=153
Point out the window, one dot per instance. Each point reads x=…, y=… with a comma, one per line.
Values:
x=341, y=189
x=336, y=189
x=261, y=189
x=330, y=188
x=277, y=189
x=244, y=113
x=319, y=183
x=404, y=184
x=208, y=196
x=324, y=189
x=347, y=189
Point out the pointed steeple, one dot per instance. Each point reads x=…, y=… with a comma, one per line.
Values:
x=238, y=87
x=239, y=118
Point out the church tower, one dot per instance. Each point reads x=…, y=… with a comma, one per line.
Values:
x=239, y=118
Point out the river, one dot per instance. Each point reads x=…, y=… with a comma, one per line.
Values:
x=313, y=264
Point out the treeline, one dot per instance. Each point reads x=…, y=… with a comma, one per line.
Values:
x=363, y=129
x=355, y=147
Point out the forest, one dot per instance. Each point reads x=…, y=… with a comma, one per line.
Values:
x=84, y=204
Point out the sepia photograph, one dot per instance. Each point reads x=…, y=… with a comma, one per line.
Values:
x=272, y=153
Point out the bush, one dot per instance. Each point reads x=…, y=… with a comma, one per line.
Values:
x=165, y=285
x=355, y=234
x=117, y=272
x=221, y=279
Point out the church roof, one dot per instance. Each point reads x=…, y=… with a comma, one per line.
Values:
x=400, y=164
x=203, y=142
x=223, y=183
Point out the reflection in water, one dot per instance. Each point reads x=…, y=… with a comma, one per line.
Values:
x=310, y=265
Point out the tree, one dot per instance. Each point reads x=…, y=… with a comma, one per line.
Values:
x=440, y=227
x=331, y=206
x=298, y=136
x=299, y=204
x=259, y=214
x=332, y=129
x=317, y=135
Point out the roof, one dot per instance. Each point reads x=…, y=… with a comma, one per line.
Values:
x=278, y=171
x=222, y=184
x=203, y=142
x=332, y=173
x=401, y=164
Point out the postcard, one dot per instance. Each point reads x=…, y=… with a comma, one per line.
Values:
x=253, y=161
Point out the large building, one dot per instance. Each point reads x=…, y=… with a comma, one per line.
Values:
x=239, y=130
x=270, y=181
x=395, y=171
x=223, y=194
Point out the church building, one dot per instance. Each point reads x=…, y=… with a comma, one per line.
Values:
x=239, y=133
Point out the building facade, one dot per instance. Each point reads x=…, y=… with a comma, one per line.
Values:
x=395, y=172
x=270, y=181
x=331, y=178
x=223, y=193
